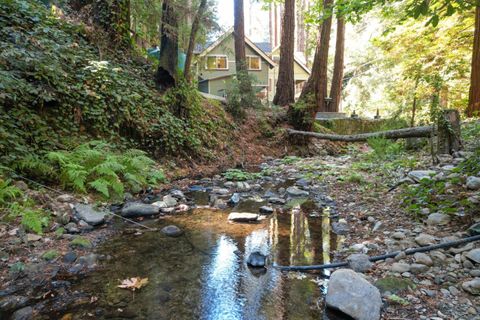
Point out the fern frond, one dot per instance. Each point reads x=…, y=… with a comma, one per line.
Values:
x=101, y=185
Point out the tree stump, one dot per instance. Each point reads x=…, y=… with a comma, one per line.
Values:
x=449, y=134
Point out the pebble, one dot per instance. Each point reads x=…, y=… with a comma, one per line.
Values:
x=398, y=235
x=423, y=258
x=424, y=239
x=400, y=267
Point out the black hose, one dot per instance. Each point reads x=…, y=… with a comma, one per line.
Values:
x=382, y=257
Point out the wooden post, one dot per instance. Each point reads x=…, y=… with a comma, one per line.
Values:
x=449, y=134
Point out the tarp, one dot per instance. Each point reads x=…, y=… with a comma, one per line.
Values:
x=155, y=53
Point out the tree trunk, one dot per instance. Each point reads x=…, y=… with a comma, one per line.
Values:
x=193, y=35
x=114, y=17
x=449, y=132
x=166, y=76
x=336, y=90
x=474, y=101
x=285, y=93
x=301, y=33
x=414, y=105
x=245, y=85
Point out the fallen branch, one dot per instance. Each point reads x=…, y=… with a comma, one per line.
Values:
x=415, y=132
x=382, y=257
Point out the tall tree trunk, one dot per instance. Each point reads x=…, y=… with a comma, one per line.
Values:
x=114, y=17
x=166, y=76
x=337, y=80
x=285, y=93
x=245, y=85
x=474, y=101
x=312, y=98
x=301, y=33
x=193, y=35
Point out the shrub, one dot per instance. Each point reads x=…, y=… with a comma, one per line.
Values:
x=384, y=148
x=240, y=175
x=95, y=166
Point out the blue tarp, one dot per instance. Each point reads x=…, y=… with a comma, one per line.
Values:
x=155, y=52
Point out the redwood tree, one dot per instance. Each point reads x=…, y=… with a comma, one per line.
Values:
x=337, y=80
x=285, y=93
x=193, y=35
x=166, y=75
x=474, y=101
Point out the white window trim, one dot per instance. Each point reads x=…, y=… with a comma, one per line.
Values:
x=216, y=56
x=260, y=60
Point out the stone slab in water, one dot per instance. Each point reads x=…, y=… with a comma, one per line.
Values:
x=266, y=210
x=243, y=217
x=139, y=210
x=172, y=231
x=351, y=294
x=88, y=214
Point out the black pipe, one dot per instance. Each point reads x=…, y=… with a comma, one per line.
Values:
x=382, y=257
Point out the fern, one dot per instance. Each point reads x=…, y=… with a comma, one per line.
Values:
x=8, y=192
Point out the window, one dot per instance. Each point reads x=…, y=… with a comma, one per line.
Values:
x=254, y=63
x=217, y=63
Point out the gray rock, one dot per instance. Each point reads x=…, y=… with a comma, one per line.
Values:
x=160, y=204
x=276, y=200
x=423, y=258
x=243, y=186
x=418, y=175
x=473, y=183
x=134, y=209
x=88, y=214
x=296, y=192
x=31, y=237
x=256, y=259
x=398, y=235
x=351, y=294
x=172, y=231
x=417, y=268
x=424, y=239
x=474, y=229
x=70, y=257
x=220, y=204
x=177, y=194
x=243, y=217
x=359, y=262
x=65, y=198
x=472, y=286
x=167, y=210
x=340, y=228
x=220, y=191
x=84, y=226
x=399, y=267
x=437, y=219
x=89, y=261
x=266, y=210
x=11, y=303
x=378, y=225
x=170, y=201
x=23, y=314
x=474, y=255
x=72, y=227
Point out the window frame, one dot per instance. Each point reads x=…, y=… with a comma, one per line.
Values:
x=249, y=56
x=217, y=56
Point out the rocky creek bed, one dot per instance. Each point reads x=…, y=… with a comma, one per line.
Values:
x=198, y=266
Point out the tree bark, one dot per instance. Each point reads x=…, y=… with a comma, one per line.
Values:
x=166, y=76
x=114, y=17
x=193, y=35
x=415, y=132
x=245, y=85
x=285, y=93
x=337, y=80
x=474, y=101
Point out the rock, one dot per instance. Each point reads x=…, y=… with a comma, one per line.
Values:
x=229, y=184
x=62, y=218
x=65, y=198
x=167, y=210
x=256, y=260
x=378, y=225
x=89, y=261
x=472, y=286
x=424, y=239
x=418, y=175
x=170, y=201
x=31, y=237
x=474, y=255
x=177, y=194
x=25, y=313
x=172, y=231
x=399, y=267
x=276, y=200
x=474, y=230
x=359, y=262
x=398, y=235
x=72, y=227
x=417, y=268
x=243, y=186
x=266, y=210
x=234, y=199
x=21, y=185
x=296, y=192
x=70, y=257
x=354, y=296
x=220, y=204
x=160, y=204
x=88, y=214
x=473, y=183
x=423, y=258
x=81, y=242
x=340, y=228
x=220, y=191
x=11, y=303
x=242, y=217
x=134, y=209
x=437, y=219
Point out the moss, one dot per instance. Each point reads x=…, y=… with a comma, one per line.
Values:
x=394, y=284
x=50, y=255
x=80, y=242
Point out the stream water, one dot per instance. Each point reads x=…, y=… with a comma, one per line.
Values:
x=203, y=273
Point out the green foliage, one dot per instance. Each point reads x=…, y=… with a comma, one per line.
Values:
x=95, y=166
x=398, y=300
x=32, y=219
x=238, y=99
x=384, y=148
x=354, y=177
x=394, y=284
x=16, y=268
x=81, y=242
x=240, y=175
x=290, y=160
x=471, y=166
x=8, y=192
x=50, y=255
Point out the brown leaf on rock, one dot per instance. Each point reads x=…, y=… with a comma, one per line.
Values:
x=134, y=283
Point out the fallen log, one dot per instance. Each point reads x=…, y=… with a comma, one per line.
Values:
x=415, y=132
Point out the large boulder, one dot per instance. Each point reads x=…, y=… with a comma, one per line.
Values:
x=354, y=296
x=296, y=192
x=437, y=219
x=473, y=183
x=474, y=255
x=472, y=286
x=418, y=175
x=88, y=214
x=135, y=209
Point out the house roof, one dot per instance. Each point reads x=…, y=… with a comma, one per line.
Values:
x=251, y=44
x=264, y=46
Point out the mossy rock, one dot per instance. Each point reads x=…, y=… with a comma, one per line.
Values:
x=394, y=284
x=50, y=255
x=80, y=242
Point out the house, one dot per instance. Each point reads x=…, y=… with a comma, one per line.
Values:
x=216, y=66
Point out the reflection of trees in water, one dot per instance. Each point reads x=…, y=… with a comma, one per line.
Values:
x=301, y=248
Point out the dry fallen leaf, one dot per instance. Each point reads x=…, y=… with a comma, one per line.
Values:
x=133, y=283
